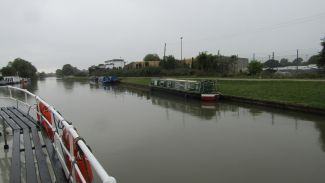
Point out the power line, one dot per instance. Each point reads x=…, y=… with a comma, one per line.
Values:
x=261, y=29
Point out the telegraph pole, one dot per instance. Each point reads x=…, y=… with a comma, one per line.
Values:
x=297, y=58
x=164, y=52
x=181, y=48
x=272, y=55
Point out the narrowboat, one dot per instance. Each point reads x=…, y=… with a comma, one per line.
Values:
x=2, y=81
x=12, y=79
x=204, y=90
x=105, y=80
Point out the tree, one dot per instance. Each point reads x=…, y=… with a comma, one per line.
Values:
x=205, y=61
x=24, y=68
x=68, y=70
x=271, y=64
x=169, y=63
x=42, y=75
x=313, y=59
x=8, y=71
x=255, y=67
x=321, y=61
x=284, y=62
x=297, y=61
x=58, y=73
x=151, y=57
x=21, y=67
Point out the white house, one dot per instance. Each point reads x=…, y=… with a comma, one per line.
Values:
x=114, y=63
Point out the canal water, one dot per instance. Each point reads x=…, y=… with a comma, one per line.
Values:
x=156, y=138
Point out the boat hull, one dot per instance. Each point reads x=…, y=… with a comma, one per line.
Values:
x=209, y=97
x=185, y=94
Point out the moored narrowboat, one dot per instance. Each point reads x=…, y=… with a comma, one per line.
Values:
x=104, y=80
x=10, y=80
x=200, y=89
x=2, y=81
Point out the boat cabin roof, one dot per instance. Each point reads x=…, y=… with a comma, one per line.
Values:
x=179, y=80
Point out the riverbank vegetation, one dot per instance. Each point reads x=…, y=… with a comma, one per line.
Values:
x=19, y=67
x=70, y=71
x=301, y=92
x=217, y=65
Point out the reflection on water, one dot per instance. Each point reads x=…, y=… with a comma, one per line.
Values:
x=139, y=137
x=321, y=128
x=31, y=86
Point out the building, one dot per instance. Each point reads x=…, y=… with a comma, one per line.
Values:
x=241, y=65
x=115, y=63
x=237, y=66
x=142, y=64
x=101, y=66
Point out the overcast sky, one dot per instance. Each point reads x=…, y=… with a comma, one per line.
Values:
x=88, y=32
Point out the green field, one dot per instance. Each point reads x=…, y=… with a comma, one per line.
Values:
x=303, y=92
x=308, y=93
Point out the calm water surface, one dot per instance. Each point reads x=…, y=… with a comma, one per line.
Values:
x=140, y=137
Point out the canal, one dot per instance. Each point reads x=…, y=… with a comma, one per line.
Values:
x=158, y=138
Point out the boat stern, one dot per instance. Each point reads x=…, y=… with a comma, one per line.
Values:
x=209, y=97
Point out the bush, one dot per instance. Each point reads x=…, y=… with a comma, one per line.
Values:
x=255, y=67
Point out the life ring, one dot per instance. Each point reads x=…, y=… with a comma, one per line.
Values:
x=81, y=160
x=48, y=115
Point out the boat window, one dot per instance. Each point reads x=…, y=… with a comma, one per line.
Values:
x=173, y=84
x=193, y=87
x=161, y=83
x=180, y=85
x=170, y=84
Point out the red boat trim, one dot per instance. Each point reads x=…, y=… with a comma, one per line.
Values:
x=208, y=97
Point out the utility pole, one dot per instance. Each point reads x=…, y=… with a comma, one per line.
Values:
x=164, y=52
x=181, y=48
x=218, y=52
x=297, y=58
x=272, y=55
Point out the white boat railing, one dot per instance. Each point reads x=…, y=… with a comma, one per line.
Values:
x=73, y=135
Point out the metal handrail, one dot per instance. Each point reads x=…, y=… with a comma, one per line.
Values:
x=73, y=135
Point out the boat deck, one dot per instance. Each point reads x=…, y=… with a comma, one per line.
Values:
x=33, y=157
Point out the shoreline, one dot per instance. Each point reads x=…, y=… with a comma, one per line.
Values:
x=266, y=103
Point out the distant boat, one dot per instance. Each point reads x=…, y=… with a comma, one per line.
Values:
x=10, y=80
x=201, y=89
x=2, y=81
x=104, y=80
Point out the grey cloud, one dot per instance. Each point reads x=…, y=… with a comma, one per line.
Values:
x=83, y=33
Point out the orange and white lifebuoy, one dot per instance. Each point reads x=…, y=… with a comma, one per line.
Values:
x=48, y=115
x=81, y=160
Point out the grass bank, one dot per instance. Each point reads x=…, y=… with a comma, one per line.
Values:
x=307, y=93
x=310, y=93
